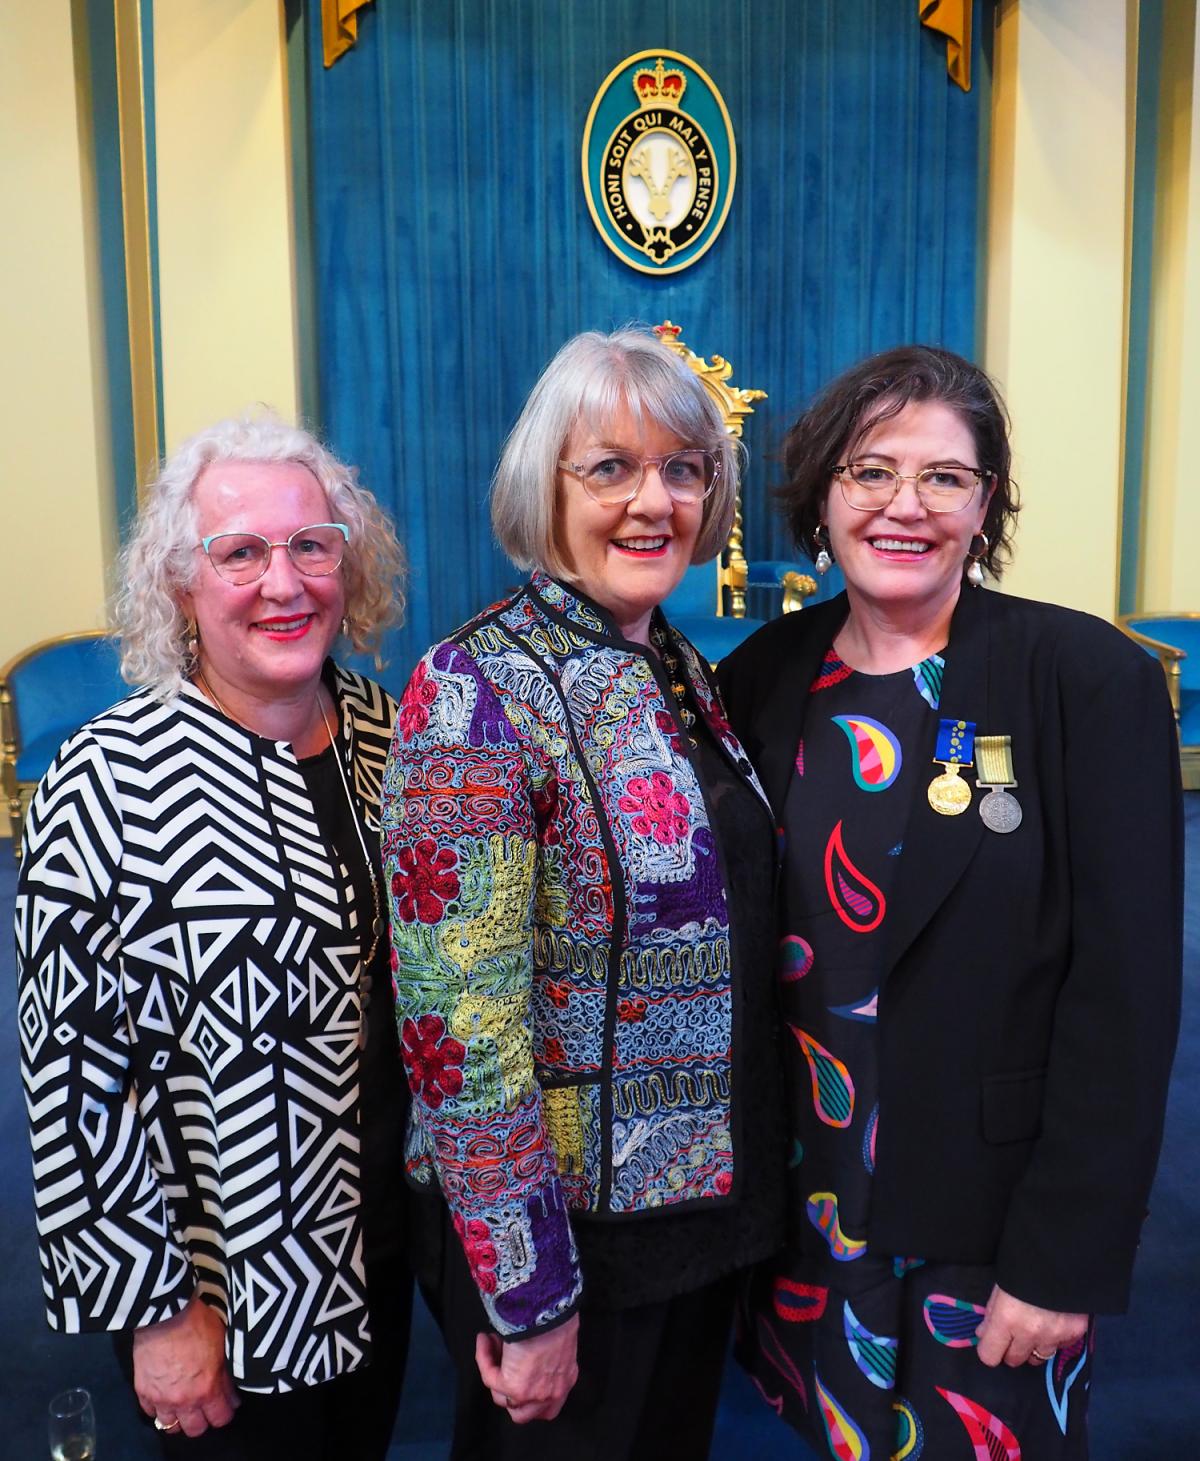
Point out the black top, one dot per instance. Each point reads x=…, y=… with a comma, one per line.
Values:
x=858, y=766
x=383, y=1089
x=663, y=1254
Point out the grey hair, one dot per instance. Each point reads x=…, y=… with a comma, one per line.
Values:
x=159, y=562
x=589, y=380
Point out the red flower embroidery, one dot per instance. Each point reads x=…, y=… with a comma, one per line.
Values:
x=432, y=1058
x=414, y=705
x=554, y=1051
x=480, y=1251
x=545, y=807
x=426, y=881
x=723, y=1181
x=631, y=1011
x=659, y=811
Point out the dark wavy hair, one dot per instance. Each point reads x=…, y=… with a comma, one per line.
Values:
x=875, y=390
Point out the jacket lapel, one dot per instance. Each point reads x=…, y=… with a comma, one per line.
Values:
x=780, y=721
x=937, y=849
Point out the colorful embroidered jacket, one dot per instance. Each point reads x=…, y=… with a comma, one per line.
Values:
x=560, y=940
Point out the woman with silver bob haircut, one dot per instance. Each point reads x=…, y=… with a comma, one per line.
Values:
x=589, y=380
x=160, y=559
x=576, y=849
x=232, y=1079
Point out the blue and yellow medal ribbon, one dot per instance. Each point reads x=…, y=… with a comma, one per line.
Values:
x=948, y=793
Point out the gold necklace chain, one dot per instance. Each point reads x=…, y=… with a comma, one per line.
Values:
x=377, y=918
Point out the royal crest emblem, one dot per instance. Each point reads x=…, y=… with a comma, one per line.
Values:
x=658, y=179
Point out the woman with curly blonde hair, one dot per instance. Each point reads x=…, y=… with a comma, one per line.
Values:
x=214, y=1094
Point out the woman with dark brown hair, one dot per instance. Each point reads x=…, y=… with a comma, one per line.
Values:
x=980, y=982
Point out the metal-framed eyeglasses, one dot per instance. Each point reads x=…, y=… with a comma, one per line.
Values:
x=870, y=486
x=610, y=476
x=243, y=558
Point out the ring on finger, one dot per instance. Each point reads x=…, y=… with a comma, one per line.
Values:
x=166, y=1426
x=1038, y=1355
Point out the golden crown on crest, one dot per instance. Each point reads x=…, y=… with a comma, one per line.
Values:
x=659, y=87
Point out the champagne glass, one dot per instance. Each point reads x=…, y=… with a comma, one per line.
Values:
x=72, y=1426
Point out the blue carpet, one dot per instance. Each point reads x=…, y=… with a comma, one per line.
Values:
x=1146, y=1405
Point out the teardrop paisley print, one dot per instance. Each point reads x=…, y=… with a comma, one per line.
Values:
x=795, y=957
x=952, y=1322
x=1061, y=1373
x=832, y=1087
x=855, y=898
x=992, y=1439
x=846, y=1441
x=823, y=1214
x=877, y=756
x=874, y=1354
x=910, y=1433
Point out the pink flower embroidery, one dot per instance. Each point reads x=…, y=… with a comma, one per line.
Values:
x=658, y=810
x=414, y=705
x=480, y=1251
x=432, y=1058
x=425, y=881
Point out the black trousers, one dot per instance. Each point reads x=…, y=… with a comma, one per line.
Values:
x=347, y=1419
x=649, y=1377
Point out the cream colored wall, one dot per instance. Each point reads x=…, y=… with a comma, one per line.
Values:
x=224, y=212
x=53, y=415
x=1170, y=577
x=1056, y=303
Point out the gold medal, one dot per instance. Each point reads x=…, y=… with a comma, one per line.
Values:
x=949, y=794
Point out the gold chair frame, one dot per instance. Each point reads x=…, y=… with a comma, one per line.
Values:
x=1171, y=658
x=735, y=404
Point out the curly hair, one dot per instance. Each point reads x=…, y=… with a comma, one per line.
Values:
x=159, y=561
x=590, y=379
x=875, y=390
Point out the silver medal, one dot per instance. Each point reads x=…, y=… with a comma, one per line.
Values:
x=1000, y=811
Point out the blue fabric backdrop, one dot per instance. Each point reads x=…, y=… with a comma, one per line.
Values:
x=454, y=252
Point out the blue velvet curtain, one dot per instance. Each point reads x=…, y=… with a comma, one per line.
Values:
x=454, y=252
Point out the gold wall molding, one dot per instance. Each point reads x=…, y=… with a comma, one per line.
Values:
x=137, y=222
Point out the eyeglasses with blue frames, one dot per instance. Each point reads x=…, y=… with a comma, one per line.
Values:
x=244, y=557
x=610, y=475
x=870, y=486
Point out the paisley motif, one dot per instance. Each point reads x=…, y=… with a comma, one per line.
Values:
x=854, y=897
x=874, y=1354
x=952, y=1322
x=832, y=1087
x=795, y=958
x=846, y=1441
x=822, y=1208
x=877, y=755
x=992, y=1439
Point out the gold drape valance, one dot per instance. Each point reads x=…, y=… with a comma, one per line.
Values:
x=339, y=26
x=953, y=19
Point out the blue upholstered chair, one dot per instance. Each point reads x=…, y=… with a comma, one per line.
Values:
x=46, y=693
x=1175, y=640
x=709, y=606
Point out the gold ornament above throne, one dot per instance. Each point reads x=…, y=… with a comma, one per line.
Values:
x=709, y=606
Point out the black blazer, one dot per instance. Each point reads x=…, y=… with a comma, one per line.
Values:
x=1029, y=997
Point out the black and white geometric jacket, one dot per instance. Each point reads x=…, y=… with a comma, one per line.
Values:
x=188, y=958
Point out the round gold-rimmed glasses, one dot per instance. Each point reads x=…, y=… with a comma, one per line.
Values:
x=610, y=476
x=870, y=486
x=244, y=557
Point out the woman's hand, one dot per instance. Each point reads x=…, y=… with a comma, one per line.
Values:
x=179, y=1370
x=530, y=1378
x=1016, y=1332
